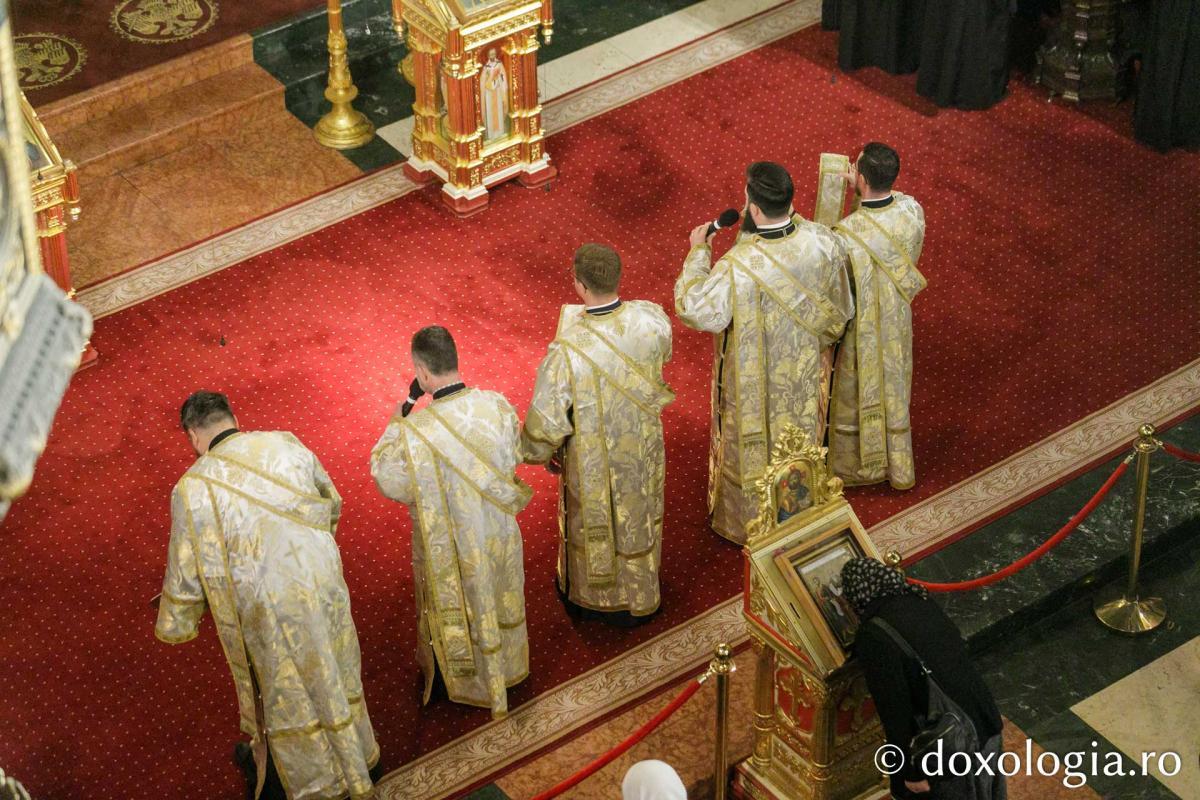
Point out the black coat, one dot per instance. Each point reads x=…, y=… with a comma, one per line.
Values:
x=964, y=52
x=1167, y=110
x=896, y=683
x=876, y=33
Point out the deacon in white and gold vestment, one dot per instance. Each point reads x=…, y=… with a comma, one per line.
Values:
x=599, y=395
x=252, y=541
x=777, y=301
x=870, y=438
x=453, y=463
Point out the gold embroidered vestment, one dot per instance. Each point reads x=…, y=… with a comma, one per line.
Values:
x=599, y=395
x=776, y=306
x=871, y=437
x=252, y=540
x=453, y=464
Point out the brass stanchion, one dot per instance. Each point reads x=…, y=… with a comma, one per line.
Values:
x=1122, y=609
x=894, y=560
x=722, y=666
x=342, y=128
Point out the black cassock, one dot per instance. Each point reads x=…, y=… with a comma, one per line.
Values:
x=876, y=33
x=1167, y=110
x=959, y=48
x=964, y=52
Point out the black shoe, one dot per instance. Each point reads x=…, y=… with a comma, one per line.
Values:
x=243, y=758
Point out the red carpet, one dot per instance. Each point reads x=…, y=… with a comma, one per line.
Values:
x=1062, y=263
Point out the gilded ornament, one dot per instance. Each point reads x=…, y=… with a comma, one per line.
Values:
x=499, y=161
x=44, y=59
x=162, y=21
x=793, y=454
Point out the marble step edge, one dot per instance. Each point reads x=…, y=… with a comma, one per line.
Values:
x=1154, y=547
x=131, y=90
x=359, y=58
x=246, y=94
x=293, y=66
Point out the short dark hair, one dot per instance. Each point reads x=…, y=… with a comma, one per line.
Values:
x=879, y=166
x=769, y=186
x=202, y=409
x=598, y=267
x=434, y=347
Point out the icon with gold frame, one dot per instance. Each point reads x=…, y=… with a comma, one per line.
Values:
x=814, y=571
x=804, y=533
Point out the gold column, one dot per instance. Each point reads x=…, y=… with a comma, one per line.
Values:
x=764, y=704
x=342, y=128
x=1122, y=609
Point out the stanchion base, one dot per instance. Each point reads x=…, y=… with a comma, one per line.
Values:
x=1131, y=615
x=343, y=128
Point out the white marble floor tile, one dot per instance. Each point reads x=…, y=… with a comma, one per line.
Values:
x=398, y=134
x=581, y=67
x=1154, y=710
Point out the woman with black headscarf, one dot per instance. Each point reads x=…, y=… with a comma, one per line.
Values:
x=900, y=690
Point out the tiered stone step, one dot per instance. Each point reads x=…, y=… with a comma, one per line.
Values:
x=159, y=110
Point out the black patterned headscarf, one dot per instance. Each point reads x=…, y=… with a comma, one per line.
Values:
x=865, y=580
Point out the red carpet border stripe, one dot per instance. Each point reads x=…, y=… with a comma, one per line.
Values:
x=376, y=188
x=554, y=715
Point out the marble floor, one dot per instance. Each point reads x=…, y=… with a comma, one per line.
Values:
x=1153, y=711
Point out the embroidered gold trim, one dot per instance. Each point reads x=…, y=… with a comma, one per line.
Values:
x=612, y=380
x=822, y=303
x=313, y=727
x=779, y=301
x=182, y=601
x=210, y=482
x=466, y=479
x=265, y=476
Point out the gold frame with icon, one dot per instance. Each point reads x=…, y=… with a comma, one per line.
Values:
x=793, y=591
x=813, y=569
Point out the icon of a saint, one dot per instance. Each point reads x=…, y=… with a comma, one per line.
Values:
x=494, y=94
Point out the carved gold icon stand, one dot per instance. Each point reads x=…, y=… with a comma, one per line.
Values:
x=815, y=728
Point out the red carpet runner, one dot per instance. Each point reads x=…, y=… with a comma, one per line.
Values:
x=1062, y=267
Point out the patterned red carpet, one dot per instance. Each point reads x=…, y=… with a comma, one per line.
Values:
x=1062, y=266
x=67, y=46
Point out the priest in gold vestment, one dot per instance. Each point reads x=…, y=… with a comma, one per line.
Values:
x=453, y=464
x=777, y=301
x=252, y=527
x=870, y=438
x=597, y=400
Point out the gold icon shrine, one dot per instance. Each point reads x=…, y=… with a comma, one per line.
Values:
x=477, y=119
x=815, y=726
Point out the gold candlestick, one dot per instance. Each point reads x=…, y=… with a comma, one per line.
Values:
x=342, y=128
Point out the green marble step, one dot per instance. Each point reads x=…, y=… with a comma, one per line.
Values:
x=489, y=792
x=1094, y=554
x=294, y=53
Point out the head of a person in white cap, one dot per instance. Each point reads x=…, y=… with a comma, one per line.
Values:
x=652, y=780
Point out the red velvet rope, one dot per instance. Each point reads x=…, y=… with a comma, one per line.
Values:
x=619, y=750
x=1180, y=453
x=1044, y=548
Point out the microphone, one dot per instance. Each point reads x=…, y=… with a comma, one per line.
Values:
x=728, y=218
